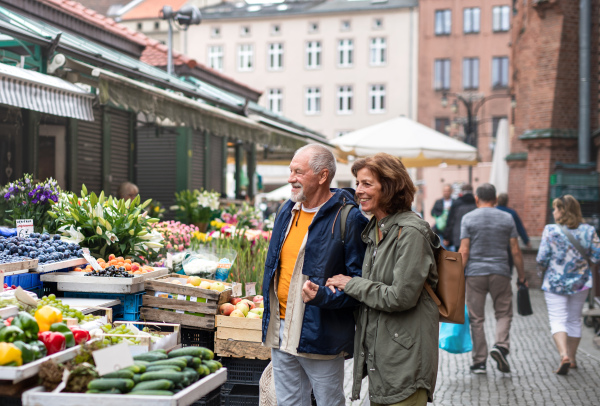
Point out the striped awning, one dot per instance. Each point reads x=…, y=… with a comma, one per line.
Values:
x=44, y=93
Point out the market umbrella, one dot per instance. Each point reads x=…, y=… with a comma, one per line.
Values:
x=284, y=192
x=417, y=145
x=499, y=172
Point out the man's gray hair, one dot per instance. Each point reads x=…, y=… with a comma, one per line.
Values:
x=321, y=158
x=486, y=192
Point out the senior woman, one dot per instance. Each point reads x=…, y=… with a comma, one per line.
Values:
x=567, y=276
x=396, y=339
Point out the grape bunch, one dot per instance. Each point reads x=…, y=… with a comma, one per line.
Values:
x=111, y=271
x=122, y=329
x=66, y=310
x=44, y=247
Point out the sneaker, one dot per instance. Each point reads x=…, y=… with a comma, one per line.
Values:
x=478, y=368
x=499, y=355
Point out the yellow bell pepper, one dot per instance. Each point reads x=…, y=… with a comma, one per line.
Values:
x=10, y=355
x=46, y=316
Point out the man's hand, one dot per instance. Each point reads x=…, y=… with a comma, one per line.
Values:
x=522, y=282
x=309, y=291
x=338, y=281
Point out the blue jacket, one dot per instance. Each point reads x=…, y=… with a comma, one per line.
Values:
x=328, y=324
x=520, y=229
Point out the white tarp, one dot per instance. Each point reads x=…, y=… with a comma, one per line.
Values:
x=499, y=172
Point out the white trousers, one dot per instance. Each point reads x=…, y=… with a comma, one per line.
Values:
x=564, y=312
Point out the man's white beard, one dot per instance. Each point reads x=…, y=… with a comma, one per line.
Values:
x=299, y=196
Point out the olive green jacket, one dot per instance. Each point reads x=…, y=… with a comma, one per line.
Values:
x=399, y=310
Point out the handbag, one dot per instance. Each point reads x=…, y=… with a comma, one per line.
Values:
x=523, y=302
x=456, y=338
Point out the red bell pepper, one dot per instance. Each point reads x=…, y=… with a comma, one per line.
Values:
x=54, y=342
x=81, y=336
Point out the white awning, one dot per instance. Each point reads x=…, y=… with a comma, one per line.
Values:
x=44, y=93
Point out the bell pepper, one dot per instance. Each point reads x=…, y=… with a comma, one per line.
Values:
x=46, y=316
x=54, y=342
x=27, y=351
x=28, y=324
x=65, y=331
x=81, y=336
x=10, y=355
x=9, y=334
x=39, y=348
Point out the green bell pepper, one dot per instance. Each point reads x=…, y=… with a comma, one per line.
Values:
x=65, y=331
x=27, y=351
x=39, y=349
x=28, y=324
x=9, y=334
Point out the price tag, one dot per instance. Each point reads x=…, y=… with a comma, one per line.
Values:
x=236, y=289
x=90, y=259
x=180, y=297
x=169, y=262
x=251, y=289
x=24, y=227
x=112, y=358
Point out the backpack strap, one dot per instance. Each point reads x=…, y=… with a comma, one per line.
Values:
x=343, y=217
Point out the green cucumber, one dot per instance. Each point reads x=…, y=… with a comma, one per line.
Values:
x=175, y=377
x=150, y=356
x=153, y=368
x=159, y=384
x=207, y=354
x=191, y=374
x=193, y=351
x=212, y=365
x=102, y=384
x=137, y=378
x=196, y=362
x=140, y=362
x=110, y=391
x=162, y=351
x=181, y=363
x=152, y=393
x=123, y=373
x=187, y=358
x=136, y=369
x=203, y=370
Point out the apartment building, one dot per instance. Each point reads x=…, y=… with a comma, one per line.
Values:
x=334, y=66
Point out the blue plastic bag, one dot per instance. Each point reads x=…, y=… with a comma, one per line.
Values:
x=456, y=338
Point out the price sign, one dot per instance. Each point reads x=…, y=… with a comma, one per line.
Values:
x=236, y=289
x=90, y=259
x=24, y=227
x=112, y=358
x=251, y=289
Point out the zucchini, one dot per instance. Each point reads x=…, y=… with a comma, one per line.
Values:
x=153, y=368
x=181, y=363
x=193, y=351
x=122, y=373
x=137, y=378
x=150, y=356
x=173, y=376
x=152, y=393
x=102, y=384
x=159, y=384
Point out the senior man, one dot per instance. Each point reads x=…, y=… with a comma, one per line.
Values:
x=310, y=341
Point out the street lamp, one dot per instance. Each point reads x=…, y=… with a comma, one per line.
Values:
x=186, y=16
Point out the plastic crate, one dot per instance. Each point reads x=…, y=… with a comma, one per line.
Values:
x=197, y=337
x=240, y=395
x=244, y=371
x=128, y=310
x=24, y=280
x=10, y=401
x=581, y=193
x=212, y=399
x=575, y=179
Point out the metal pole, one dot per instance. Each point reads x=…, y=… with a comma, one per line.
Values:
x=584, y=81
x=170, y=49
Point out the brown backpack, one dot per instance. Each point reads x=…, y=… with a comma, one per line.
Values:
x=449, y=295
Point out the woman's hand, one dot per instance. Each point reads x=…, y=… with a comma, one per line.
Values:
x=338, y=281
x=309, y=291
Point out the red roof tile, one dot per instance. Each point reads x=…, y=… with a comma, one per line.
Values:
x=151, y=8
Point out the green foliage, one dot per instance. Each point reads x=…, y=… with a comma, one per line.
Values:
x=195, y=206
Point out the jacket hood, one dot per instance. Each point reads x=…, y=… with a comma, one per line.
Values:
x=468, y=198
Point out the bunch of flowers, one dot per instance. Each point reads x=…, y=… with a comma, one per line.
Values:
x=156, y=209
x=194, y=207
x=25, y=200
x=176, y=235
x=246, y=216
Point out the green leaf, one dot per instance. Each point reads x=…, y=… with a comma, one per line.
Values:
x=83, y=190
x=93, y=199
x=145, y=204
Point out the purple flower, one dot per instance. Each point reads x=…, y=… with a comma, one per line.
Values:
x=7, y=196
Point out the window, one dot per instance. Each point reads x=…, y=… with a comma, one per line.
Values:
x=495, y=123
x=471, y=17
x=377, y=51
x=377, y=23
x=245, y=58
x=275, y=98
x=313, y=54
x=345, y=53
x=276, y=56
x=313, y=27
x=215, y=32
x=344, y=100
x=501, y=18
x=377, y=99
x=157, y=25
x=442, y=125
x=215, y=57
x=140, y=26
x=499, y=72
x=245, y=31
x=275, y=29
x=441, y=74
x=443, y=22
x=345, y=25
x=313, y=100
x=470, y=73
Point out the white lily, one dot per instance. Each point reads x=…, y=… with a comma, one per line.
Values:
x=111, y=237
x=74, y=235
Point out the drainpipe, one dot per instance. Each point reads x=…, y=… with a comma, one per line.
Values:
x=410, y=65
x=584, y=81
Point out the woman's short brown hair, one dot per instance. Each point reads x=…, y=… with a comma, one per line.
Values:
x=397, y=188
x=570, y=211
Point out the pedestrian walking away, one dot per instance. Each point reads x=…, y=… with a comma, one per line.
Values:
x=485, y=233
x=502, y=204
x=310, y=332
x=396, y=341
x=461, y=206
x=440, y=211
x=565, y=255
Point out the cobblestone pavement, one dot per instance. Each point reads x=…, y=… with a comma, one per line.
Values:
x=532, y=359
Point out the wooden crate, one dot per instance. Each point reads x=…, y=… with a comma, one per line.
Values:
x=240, y=338
x=241, y=349
x=174, y=310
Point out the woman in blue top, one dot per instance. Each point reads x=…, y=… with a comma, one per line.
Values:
x=568, y=276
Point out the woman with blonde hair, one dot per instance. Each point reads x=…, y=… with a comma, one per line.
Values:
x=565, y=255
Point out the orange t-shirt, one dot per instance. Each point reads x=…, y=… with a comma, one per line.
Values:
x=289, y=255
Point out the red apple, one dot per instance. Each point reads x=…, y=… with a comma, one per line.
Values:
x=257, y=299
x=250, y=303
x=235, y=300
x=243, y=307
x=226, y=309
